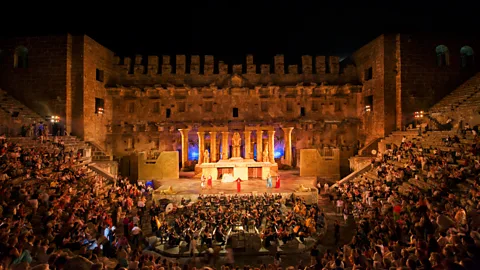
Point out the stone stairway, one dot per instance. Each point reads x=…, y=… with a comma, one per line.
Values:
x=99, y=153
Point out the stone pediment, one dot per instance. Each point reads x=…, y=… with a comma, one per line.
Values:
x=235, y=81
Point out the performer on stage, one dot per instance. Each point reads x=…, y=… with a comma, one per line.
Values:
x=277, y=182
x=239, y=186
x=209, y=181
x=269, y=181
x=202, y=183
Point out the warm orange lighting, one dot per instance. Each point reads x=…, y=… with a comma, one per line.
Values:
x=418, y=114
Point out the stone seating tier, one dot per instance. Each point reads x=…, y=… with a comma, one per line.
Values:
x=459, y=96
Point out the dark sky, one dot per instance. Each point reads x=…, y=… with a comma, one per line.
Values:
x=231, y=29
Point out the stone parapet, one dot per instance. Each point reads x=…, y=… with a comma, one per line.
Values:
x=323, y=65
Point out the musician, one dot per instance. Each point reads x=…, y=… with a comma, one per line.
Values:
x=153, y=223
x=207, y=238
x=173, y=238
x=162, y=232
x=269, y=236
x=246, y=221
x=220, y=236
x=188, y=237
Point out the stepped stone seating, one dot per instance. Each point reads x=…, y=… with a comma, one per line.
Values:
x=463, y=104
x=71, y=143
x=13, y=114
x=396, y=139
x=431, y=139
x=10, y=105
x=435, y=140
x=460, y=95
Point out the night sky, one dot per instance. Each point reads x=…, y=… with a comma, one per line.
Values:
x=261, y=28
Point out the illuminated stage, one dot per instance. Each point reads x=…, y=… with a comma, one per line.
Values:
x=244, y=169
x=189, y=188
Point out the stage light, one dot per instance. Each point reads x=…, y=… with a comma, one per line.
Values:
x=367, y=108
x=418, y=114
x=277, y=154
x=54, y=119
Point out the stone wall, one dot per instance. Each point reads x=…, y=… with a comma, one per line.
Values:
x=61, y=79
x=195, y=70
x=165, y=166
x=41, y=84
x=315, y=162
x=98, y=72
x=370, y=61
x=423, y=81
x=402, y=75
x=147, y=98
x=139, y=106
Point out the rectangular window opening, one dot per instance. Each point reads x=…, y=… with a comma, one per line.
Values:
x=302, y=111
x=264, y=106
x=368, y=101
x=315, y=106
x=131, y=107
x=235, y=112
x=99, y=105
x=208, y=107
x=168, y=113
x=289, y=106
x=181, y=107
x=156, y=107
x=99, y=75
x=338, y=106
x=368, y=74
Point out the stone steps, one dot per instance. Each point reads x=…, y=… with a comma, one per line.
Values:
x=9, y=105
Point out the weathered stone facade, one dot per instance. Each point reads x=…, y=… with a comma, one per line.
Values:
x=132, y=105
x=403, y=73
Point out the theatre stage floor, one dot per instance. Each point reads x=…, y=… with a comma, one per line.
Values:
x=188, y=184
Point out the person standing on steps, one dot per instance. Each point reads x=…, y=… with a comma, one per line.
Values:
x=346, y=213
x=314, y=252
x=337, y=232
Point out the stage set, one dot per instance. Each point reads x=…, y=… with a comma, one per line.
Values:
x=217, y=162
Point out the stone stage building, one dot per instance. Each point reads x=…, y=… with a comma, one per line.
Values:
x=154, y=104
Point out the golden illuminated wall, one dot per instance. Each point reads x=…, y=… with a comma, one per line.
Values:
x=320, y=163
x=164, y=167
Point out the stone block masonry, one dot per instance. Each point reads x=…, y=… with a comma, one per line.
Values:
x=147, y=98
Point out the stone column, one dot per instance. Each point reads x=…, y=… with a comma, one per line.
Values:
x=225, y=145
x=184, y=133
x=259, y=145
x=288, y=145
x=271, y=144
x=201, y=146
x=213, y=146
x=248, y=134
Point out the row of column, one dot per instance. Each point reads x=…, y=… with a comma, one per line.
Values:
x=225, y=148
